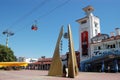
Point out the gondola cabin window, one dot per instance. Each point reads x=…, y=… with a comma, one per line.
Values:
x=34, y=27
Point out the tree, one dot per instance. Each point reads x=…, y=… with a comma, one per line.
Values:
x=6, y=54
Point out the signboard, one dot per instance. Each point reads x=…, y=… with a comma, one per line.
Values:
x=84, y=43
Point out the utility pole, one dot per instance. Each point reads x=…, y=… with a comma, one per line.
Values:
x=8, y=34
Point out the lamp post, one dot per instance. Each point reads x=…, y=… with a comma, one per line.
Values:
x=8, y=34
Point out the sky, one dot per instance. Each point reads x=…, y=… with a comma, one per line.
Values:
x=18, y=16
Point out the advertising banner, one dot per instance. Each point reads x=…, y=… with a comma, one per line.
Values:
x=84, y=42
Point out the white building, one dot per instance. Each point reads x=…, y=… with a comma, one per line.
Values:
x=98, y=52
x=28, y=60
x=89, y=27
x=21, y=59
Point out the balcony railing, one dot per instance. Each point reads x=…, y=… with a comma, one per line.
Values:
x=115, y=51
x=104, y=53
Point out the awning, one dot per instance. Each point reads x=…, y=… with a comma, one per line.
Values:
x=5, y=64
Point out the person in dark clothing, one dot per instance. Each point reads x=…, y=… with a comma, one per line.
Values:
x=64, y=71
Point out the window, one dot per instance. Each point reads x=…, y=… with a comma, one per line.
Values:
x=113, y=45
x=95, y=48
x=108, y=47
x=96, y=31
x=119, y=44
x=96, y=24
x=99, y=47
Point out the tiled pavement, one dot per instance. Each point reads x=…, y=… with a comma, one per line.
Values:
x=42, y=75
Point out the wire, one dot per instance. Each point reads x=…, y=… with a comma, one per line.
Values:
x=54, y=9
x=41, y=4
x=33, y=10
x=49, y=12
x=28, y=14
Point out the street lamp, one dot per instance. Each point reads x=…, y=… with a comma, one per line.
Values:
x=8, y=34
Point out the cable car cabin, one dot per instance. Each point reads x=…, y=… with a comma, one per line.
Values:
x=34, y=27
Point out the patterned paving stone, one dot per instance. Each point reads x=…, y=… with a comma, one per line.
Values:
x=42, y=75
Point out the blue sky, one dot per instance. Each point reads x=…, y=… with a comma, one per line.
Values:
x=19, y=15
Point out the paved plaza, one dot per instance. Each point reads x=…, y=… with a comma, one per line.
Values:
x=42, y=75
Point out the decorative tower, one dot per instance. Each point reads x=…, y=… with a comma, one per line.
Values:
x=56, y=67
x=89, y=27
x=72, y=62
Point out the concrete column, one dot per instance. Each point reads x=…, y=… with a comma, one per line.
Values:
x=103, y=66
x=47, y=67
x=82, y=67
x=116, y=65
x=44, y=66
x=37, y=67
x=40, y=67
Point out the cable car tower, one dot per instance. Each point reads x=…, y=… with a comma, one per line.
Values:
x=8, y=34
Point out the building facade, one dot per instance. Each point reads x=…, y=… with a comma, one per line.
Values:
x=28, y=60
x=89, y=27
x=43, y=63
x=98, y=52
